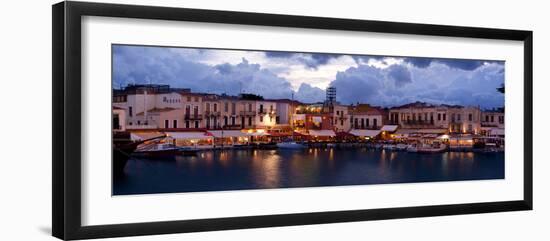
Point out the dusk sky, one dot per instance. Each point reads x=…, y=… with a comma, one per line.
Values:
x=377, y=80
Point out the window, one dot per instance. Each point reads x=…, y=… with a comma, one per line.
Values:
x=166, y=124
x=225, y=120
x=188, y=98
x=139, y=122
x=277, y=120
x=215, y=107
x=261, y=108
x=226, y=107
x=492, y=118
x=175, y=124
x=368, y=122
x=444, y=117
x=375, y=124
x=207, y=106
x=470, y=128
x=164, y=99
x=261, y=118
x=233, y=120
x=425, y=116
x=414, y=117
x=196, y=99
x=356, y=123
x=362, y=123
x=249, y=107
x=486, y=118
x=337, y=112
x=196, y=124
x=419, y=117
x=341, y=122
x=130, y=112
x=458, y=117
x=186, y=124
x=233, y=108
x=249, y=121
x=187, y=110
x=501, y=119
x=470, y=117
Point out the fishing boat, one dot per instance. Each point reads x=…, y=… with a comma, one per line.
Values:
x=158, y=150
x=123, y=147
x=435, y=147
x=401, y=147
x=189, y=151
x=291, y=145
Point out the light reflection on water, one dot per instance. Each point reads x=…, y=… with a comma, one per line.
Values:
x=253, y=169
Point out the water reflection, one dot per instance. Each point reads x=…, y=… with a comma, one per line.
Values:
x=251, y=169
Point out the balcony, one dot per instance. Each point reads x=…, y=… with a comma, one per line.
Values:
x=193, y=117
x=232, y=127
x=247, y=113
x=212, y=113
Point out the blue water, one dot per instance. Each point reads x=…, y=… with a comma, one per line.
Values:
x=260, y=169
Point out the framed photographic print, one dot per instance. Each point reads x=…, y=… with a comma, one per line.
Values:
x=170, y=120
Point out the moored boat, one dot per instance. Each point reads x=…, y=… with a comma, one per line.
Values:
x=158, y=150
x=291, y=145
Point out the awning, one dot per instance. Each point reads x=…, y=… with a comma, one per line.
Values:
x=228, y=133
x=431, y=131
x=140, y=136
x=188, y=135
x=390, y=128
x=421, y=131
x=322, y=133
x=258, y=134
x=497, y=132
x=364, y=133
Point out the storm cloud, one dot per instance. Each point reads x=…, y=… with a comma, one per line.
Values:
x=377, y=80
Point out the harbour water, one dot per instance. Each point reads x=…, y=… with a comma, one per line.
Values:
x=223, y=170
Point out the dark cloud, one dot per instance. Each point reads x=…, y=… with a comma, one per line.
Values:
x=359, y=84
x=310, y=60
x=464, y=82
x=400, y=75
x=440, y=84
x=142, y=65
x=419, y=62
x=278, y=54
x=463, y=64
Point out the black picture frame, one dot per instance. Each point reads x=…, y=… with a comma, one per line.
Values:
x=66, y=159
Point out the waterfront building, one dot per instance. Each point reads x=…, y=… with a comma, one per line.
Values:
x=452, y=118
x=229, y=114
x=340, y=118
x=493, y=118
x=364, y=116
x=212, y=111
x=140, y=99
x=119, y=119
x=266, y=114
x=314, y=120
